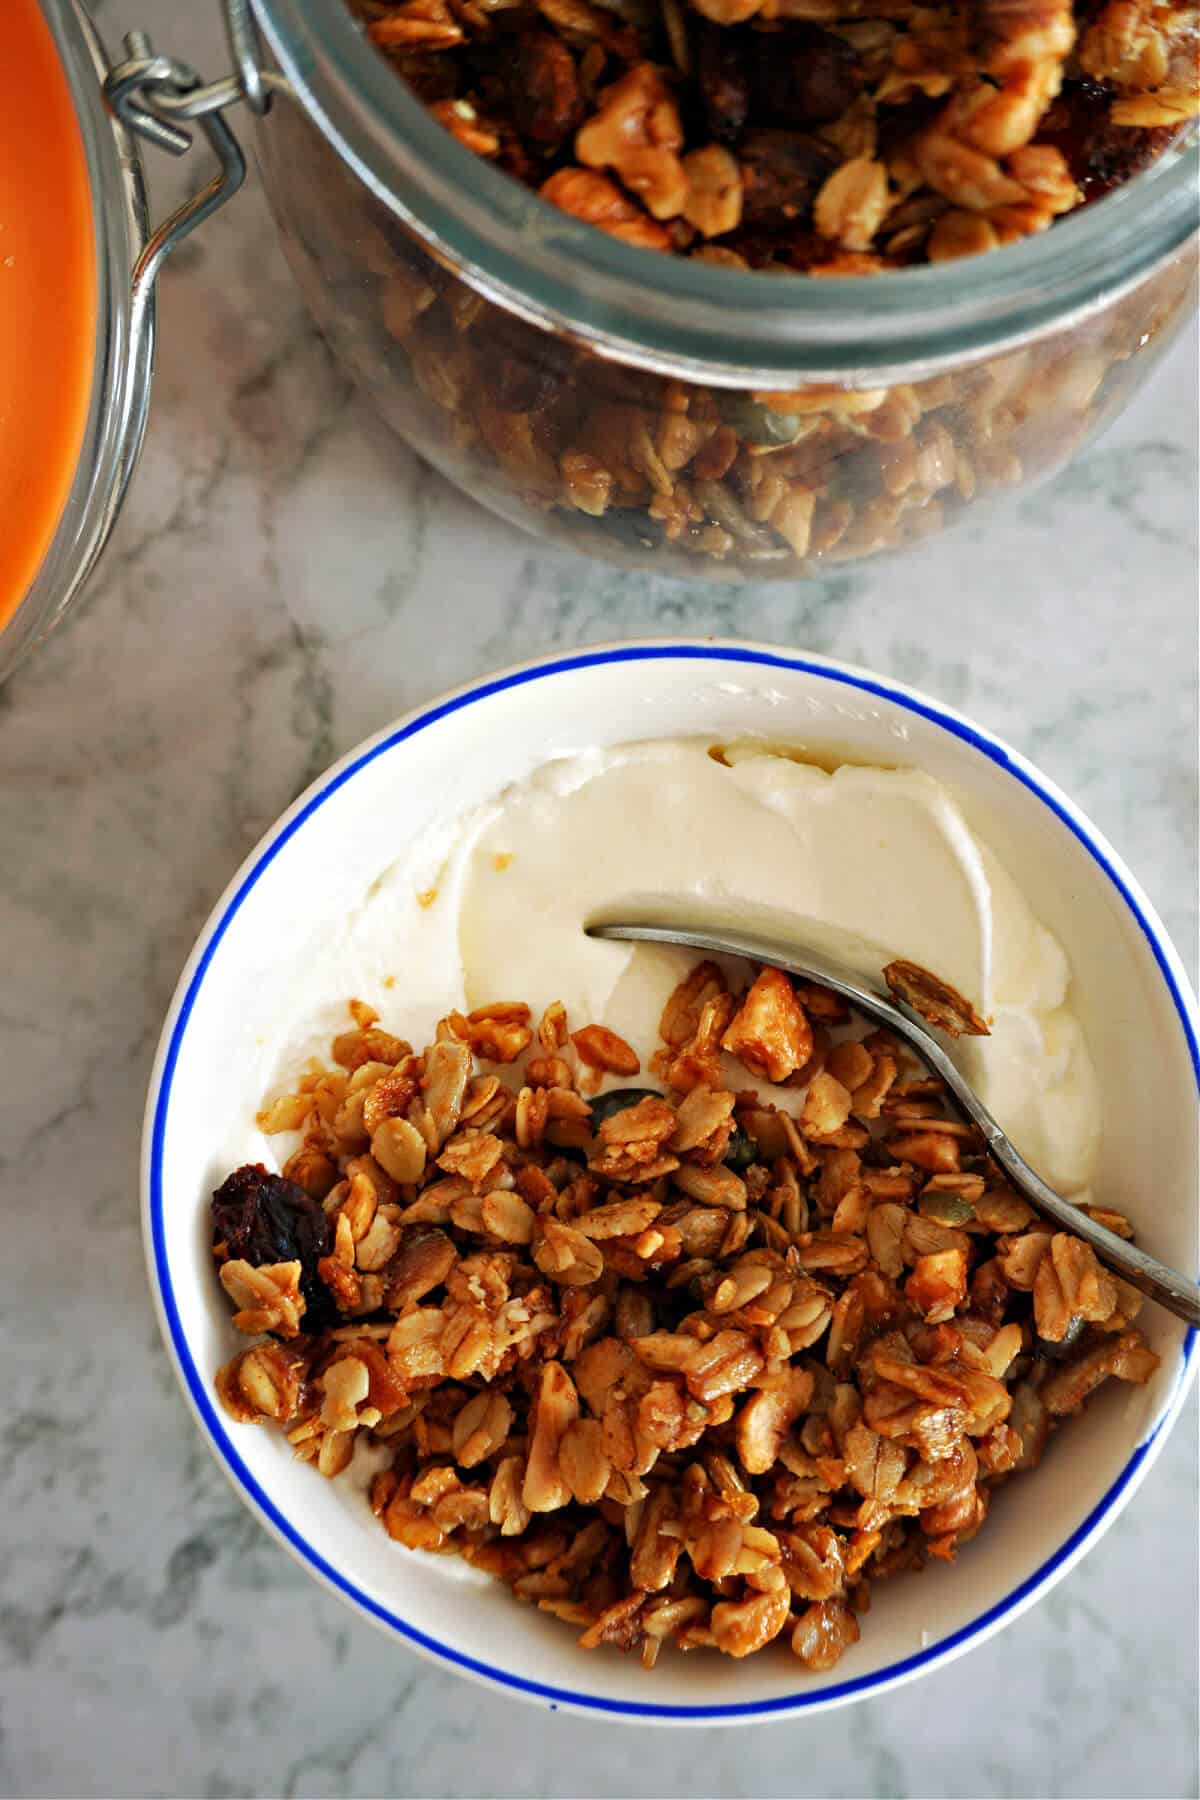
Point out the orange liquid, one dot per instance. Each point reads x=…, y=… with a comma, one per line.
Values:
x=47, y=295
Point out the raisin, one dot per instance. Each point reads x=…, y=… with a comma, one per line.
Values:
x=543, y=89
x=786, y=247
x=781, y=173
x=263, y=1218
x=432, y=75
x=802, y=76
x=520, y=386
x=899, y=125
x=529, y=370
x=723, y=80
x=1100, y=155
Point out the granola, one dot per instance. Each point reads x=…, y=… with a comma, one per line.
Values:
x=859, y=139
x=695, y=1366
x=824, y=137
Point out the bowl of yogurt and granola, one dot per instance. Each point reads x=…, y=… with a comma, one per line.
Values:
x=644, y=1333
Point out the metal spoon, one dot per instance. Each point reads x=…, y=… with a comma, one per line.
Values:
x=1167, y=1286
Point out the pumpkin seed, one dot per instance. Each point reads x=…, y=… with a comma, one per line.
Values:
x=945, y=1209
x=619, y=1100
x=742, y=1151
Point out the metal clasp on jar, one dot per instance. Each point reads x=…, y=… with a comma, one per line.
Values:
x=157, y=96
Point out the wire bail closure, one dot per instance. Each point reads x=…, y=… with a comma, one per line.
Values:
x=159, y=97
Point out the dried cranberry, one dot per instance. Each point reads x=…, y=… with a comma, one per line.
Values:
x=263, y=1218
x=1100, y=155
x=781, y=173
x=802, y=76
x=723, y=80
x=543, y=89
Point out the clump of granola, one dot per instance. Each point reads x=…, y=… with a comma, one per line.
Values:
x=695, y=1366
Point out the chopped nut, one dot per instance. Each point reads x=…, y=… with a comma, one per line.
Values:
x=637, y=132
x=444, y=1084
x=826, y=1106
x=703, y=1122
x=770, y=1032
x=598, y=201
x=938, y=1284
x=377, y=1246
x=714, y=191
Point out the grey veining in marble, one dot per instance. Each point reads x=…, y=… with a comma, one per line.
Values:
x=265, y=605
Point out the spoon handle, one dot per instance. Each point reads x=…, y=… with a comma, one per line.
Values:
x=1162, y=1283
x=1166, y=1285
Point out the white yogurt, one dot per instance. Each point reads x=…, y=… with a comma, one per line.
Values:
x=865, y=864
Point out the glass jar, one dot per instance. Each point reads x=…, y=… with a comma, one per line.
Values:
x=654, y=410
x=689, y=419
x=678, y=416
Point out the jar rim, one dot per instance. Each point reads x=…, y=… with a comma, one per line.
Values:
x=695, y=320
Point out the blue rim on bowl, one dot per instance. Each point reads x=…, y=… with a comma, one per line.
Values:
x=197, y=1384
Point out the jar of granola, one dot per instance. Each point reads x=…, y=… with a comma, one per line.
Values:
x=689, y=283
x=722, y=287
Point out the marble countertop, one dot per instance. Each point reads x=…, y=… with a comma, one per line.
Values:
x=286, y=580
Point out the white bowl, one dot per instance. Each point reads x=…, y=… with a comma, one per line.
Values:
x=269, y=953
